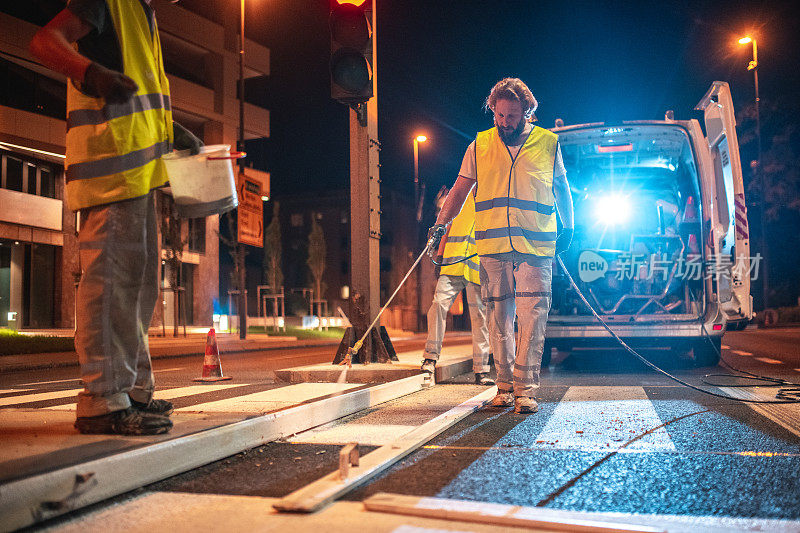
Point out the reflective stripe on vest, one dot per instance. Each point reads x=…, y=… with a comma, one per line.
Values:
x=461, y=244
x=514, y=202
x=114, y=150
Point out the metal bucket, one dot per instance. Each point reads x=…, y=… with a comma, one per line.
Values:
x=203, y=184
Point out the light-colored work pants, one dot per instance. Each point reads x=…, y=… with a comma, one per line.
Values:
x=517, y=284
x=447, y=289
x=118, y=291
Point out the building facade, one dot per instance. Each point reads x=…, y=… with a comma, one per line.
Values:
x=38, y=235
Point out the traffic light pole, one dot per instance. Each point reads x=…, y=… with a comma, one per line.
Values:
x=365, y=214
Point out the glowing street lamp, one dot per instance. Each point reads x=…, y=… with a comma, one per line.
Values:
x=417, y=197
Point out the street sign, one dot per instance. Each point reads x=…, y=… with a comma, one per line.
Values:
x=252, y=185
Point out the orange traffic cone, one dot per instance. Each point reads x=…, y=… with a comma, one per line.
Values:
x=690, y=211
x=212, y=366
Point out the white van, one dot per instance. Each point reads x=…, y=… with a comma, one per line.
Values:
x=661, y=247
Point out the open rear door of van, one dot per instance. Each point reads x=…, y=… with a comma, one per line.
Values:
x=732, y=265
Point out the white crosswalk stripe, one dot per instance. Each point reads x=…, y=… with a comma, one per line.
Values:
x=168, y=394
x=272, y=399
x=596, y=418
x=25, y=398
x=5, y=391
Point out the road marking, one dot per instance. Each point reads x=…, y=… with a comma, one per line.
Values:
x=768, y=360
x=272, y=399
x=167, y=394
x=797, y=369
x=4, y=391
x=25, y=398
x=168, y=370
x=594, y=418
x=740, y=352
x=536, y=449
x=54, y=381
x=725, y=347
x=785, y=415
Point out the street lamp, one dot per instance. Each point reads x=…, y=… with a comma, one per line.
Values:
x=418, y=212
x=753, y=65
x=417, y=198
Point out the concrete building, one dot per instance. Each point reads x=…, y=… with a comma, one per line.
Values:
x=38, y=234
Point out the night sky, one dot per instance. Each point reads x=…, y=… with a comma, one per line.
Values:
x=584, y=61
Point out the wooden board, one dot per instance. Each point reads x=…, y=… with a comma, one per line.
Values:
x=495, y=514
x=326, y=489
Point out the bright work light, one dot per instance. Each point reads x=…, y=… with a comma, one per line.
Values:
x=612, y=209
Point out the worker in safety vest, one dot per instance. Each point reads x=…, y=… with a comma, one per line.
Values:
x=517, y=178
x=119, y=124
x=460, y=271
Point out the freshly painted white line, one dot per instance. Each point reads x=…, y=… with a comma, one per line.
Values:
x=54, y=381
x=740, y=352
x=3, y=391
x=272, y=399
x=598, y=418
x=364, y=434
x=25, y=398
x=167, y=394
x=786, y=415
x=168, y=370
x=768, y=360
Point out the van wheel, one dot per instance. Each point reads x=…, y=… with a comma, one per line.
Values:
x=707, y=351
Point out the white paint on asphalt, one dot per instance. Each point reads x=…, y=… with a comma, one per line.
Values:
x=740, y=352
x=25, y=398
x=599, y=418
x=364, y=434
x=797, y=369
x=272, y=399
x=54, y=381
x=768, y=360
x=725, y=347
x=4, y=391
x=168, y=370
x=786, y=415
x=167, y=394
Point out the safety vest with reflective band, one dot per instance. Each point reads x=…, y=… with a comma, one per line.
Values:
x=460, y=243
x=114, y=150
x=514, y=202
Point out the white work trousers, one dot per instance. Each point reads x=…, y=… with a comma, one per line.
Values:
x=518, y=284
x=447, y=289
x=117, y=293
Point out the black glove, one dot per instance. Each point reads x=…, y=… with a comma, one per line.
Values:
x=185, y=139
x=435, y=235
x=115, y=87
x=563, y=240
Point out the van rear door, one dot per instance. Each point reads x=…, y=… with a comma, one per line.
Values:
x=730, y=232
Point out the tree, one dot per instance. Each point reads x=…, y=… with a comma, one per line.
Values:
x=273, y=254
x=174, y=243
x=316, y=256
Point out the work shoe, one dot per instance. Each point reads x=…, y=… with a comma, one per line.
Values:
x=482, y=378
x=524, y=405
x=429, y=366
x=154, y=407
x=502, y=399
x=128, y=421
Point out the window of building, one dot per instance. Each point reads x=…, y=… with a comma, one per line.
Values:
x=30, y=176
x=12, y=175
x=27, y=90
x=197, y=235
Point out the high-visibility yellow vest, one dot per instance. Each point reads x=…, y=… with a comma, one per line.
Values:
x=114, y=150
x=460, y=243
x=514, y=201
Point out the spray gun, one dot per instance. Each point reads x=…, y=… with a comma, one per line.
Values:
x=434, y=236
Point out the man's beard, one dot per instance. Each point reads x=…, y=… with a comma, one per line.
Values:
x=512, y=136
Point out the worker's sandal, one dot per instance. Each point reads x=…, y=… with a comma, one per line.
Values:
x=482, y=378
x=524, y=405
x=502, y=399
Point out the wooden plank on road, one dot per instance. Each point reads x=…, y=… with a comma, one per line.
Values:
x=326, y=489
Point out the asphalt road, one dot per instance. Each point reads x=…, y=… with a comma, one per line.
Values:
x=610, y=436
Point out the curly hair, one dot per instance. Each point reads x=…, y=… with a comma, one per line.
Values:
x=513, y=89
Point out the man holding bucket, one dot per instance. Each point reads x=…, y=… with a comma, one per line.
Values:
x=119, y=124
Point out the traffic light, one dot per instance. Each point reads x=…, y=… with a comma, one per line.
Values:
x=351, y=51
